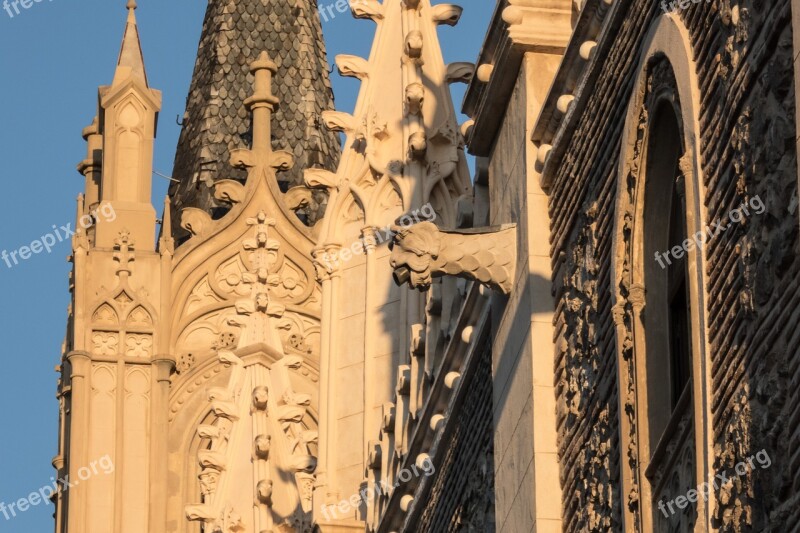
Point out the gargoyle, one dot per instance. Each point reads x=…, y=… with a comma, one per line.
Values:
x=422, y=252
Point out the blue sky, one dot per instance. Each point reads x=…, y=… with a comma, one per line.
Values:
x=53, y=56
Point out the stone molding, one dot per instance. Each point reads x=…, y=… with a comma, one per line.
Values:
x=538, y=25
x=596, y=27
x=523, y=26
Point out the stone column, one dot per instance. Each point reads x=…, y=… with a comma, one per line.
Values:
x=327, y=273
x=545, y=464
x=80, y=389
x=159, y=431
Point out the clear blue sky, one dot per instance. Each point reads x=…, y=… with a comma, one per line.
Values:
x=52, y=58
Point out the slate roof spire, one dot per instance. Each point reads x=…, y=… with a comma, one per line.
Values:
x=216, y=121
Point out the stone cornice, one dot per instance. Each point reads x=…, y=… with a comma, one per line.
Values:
x=517, y=27
x=593, y=33
x=539, y=25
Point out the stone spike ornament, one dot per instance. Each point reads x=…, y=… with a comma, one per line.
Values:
x=388, y=133
x=403, y=150
x=127, y=120
x=262, y=104
x=130, y=55
x=261, y=160
x=91, y=167
x=114, y=339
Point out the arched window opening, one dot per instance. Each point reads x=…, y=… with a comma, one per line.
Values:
x=667, y=320
x=677, y=293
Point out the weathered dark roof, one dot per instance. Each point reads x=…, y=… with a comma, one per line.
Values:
x=216, y=120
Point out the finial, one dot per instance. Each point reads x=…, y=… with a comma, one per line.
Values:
x=263, y=63
x=132, y=5
x=262, y=103
x=79, y=227
x=166, y=243
x=131, y=61
x=166, y=219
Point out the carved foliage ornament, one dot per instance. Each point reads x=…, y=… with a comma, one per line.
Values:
x=256, y=413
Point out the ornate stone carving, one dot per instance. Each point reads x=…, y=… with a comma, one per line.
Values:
x=184, y=363
x=124, y=252
x=239, y=307
x=196, y=221
x=339, y=121
x=399, y=156
x=300, y=197
x=229, y=191
x=418, y=145
x=262, y=446
x=448, y=14
x=139, y=346
x=139, y=317
x=460, y=72
x=227, y=521
x=414, y=44
x=105, y=315
x=241, y=411
x=123, y=299
x=580, y=360
x=105, y=343
x=423, y=252
x=367, y=9
x=415, y=95
x=352, y=66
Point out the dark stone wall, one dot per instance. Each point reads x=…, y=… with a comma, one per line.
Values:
x=743, y=54
x=462, y=495
x=748, y=137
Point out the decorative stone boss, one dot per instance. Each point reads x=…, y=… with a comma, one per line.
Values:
x=423, y=252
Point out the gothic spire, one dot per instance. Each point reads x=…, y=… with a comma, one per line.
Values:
x=216, y=120
x=128, y=114
x=131, y=60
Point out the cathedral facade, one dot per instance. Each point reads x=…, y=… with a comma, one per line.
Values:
x=336, y=326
